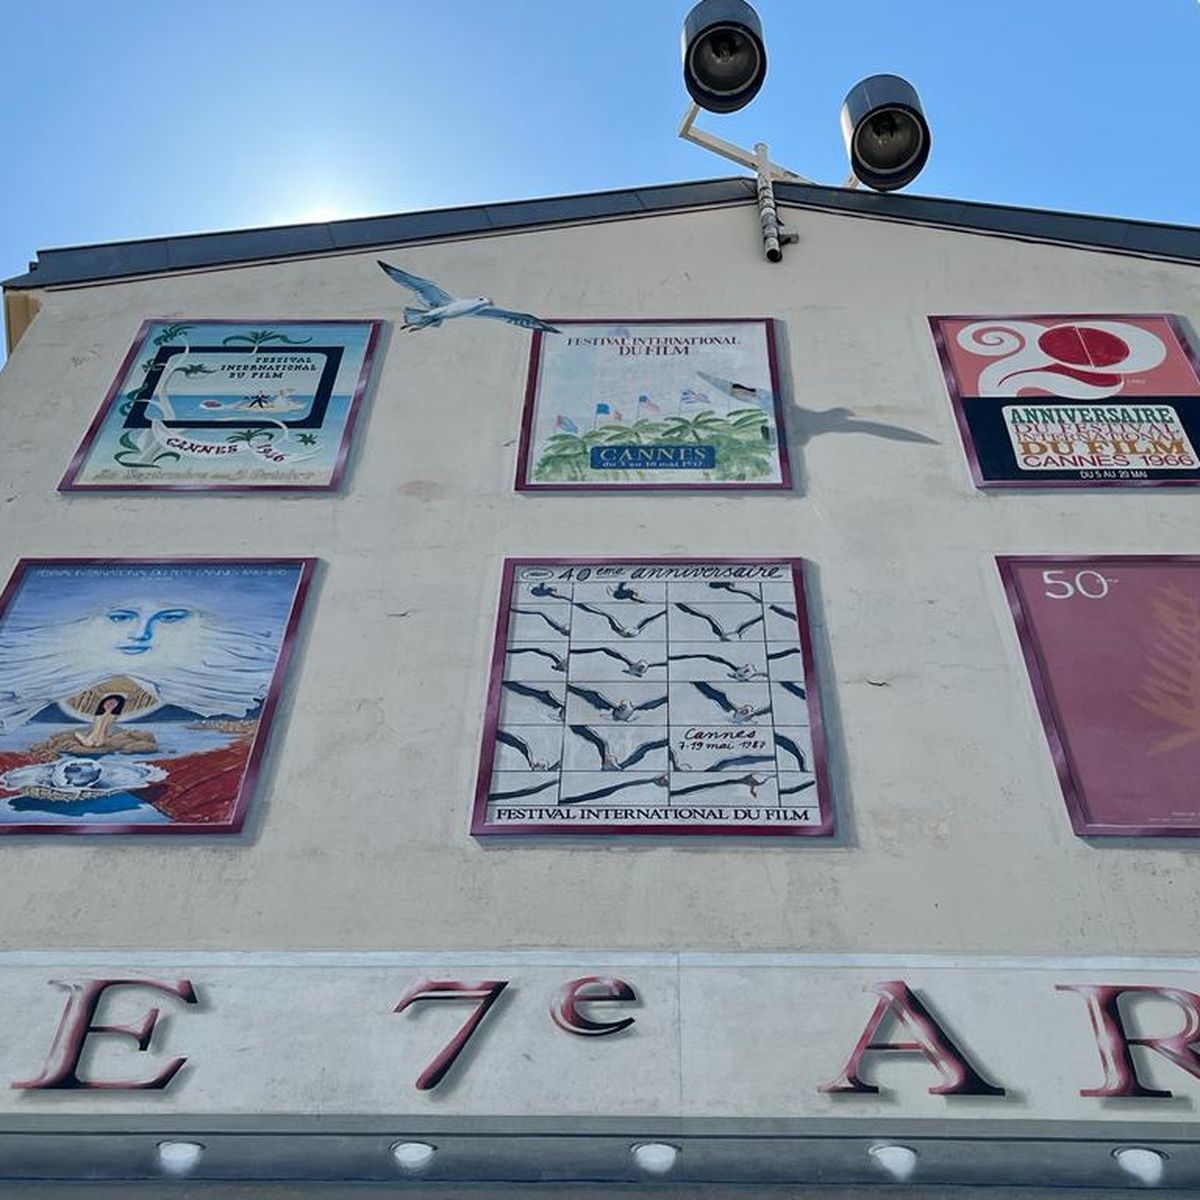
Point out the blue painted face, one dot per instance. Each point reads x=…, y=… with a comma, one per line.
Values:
x=138, y=628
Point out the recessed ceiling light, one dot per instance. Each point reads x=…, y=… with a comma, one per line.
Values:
x=179, y=1158
x=413, y=1156
x=655, y=1158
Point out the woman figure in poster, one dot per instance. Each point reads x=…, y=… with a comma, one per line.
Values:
x=107, y=711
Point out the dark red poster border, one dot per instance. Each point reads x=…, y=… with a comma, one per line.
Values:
x=954, y=388
x=250, y=773
x=523, y=482
x=479, y=823
x=1074, y=796
x=68, y=484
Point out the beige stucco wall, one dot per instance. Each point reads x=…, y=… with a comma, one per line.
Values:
x=955, y=839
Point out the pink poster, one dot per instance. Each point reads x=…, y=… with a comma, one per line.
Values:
x=1074, y=400
x=1113, y=650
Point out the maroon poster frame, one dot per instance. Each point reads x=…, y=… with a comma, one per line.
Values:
x=1074, y=797
x=954, y=388
x=523, y=482
x=479, y=824
x=68, y=482
x=258, y=747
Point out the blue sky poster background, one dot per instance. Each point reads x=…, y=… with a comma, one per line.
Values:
x=130, y=120
x=187, y=396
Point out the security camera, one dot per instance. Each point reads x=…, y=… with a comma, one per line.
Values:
x=887, y=137
x=724, y=59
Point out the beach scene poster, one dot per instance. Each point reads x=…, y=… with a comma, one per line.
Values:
x=137, y=696
x=229, y=406
x=653, y=404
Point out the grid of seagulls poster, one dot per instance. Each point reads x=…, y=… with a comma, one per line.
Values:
x=136, y=696
x=229, y=406
x=653, y=404
x=652, y=696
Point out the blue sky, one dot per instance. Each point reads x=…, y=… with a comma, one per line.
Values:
x=130, y=120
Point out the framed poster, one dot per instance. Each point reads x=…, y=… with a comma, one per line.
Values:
x=136, y=695
x=685, y=404
x=1112, y=645
x=1073, y=400
x=652, y=696
x=229, y=406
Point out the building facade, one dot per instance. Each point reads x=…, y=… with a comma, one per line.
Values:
x=931, y=876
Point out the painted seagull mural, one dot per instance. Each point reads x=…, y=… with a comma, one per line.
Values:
x=741, y=713
x=556, y=662
x=616, y=625
x=607, y=761
x=725, y=635
x=440, y=306
x=636, y=667
x=621, y=710
x=740, y=672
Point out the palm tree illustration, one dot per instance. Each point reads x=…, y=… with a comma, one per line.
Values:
x=260, y=337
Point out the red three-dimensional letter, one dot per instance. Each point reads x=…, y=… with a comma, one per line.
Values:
x=78, y=1023
x=564, y=1011
x=959, y=1077
x=487, y=992
x=1113, y=1042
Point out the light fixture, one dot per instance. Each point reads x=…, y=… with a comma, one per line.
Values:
x=413, y=1157
x=724, y=59
x=655, y=1158
x=179, y=1158
x=897, y=1161
x=1146, y=1166
x=886, y=135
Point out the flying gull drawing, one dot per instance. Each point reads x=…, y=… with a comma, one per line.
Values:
x=440, y=306
x=522, y=748
x=616, y=625
x=541, y=695
x=556, y=661
x=741, y=713
x=621, y=710
x=633, y=666
x=607, y=761
x=724, y=634
x=740, y=672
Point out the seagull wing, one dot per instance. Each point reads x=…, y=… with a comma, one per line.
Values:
x=518, y=744
x=526, y=320
x=795, y=688
x=747, y=624
x=647, y=705
x=594, y=698
x=783, y=612
x=590, y=735
x=641, y=752
x=541, y=695
x=608, y=650
x=425, y=288
x=781, y=739
x=613, y=624
x=707, y=689
x=650, y=620
x=695, y=612
x=707, y=657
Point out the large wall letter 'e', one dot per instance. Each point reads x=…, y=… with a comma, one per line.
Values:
x=78, y=1024
x=1113, y=1042
x=959, y=1078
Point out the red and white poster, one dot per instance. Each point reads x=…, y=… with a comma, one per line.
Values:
x=1073, y=400
x=1112, y=645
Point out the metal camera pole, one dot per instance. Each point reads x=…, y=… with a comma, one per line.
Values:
x=774, y=235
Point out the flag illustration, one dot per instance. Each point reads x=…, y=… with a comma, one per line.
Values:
x=645, y=404
x=602, y=409
x=691, y=399
x=562, y=422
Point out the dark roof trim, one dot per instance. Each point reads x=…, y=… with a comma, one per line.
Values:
x=117, y=260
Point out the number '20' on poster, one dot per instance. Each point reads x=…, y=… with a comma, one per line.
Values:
x=137, y=696
x=653, y=404
x=1112, y=646
x=229, y=406
x=1074, y=400
x=653, y=696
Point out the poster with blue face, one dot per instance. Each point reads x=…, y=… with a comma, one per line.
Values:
x=136, y=696
x=229, y=406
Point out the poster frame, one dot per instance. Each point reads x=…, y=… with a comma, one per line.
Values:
x=248, y=783
x=480, y=827
x=523, y=481
x=953, y=388
x=68, y=482
x=1083, y=824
